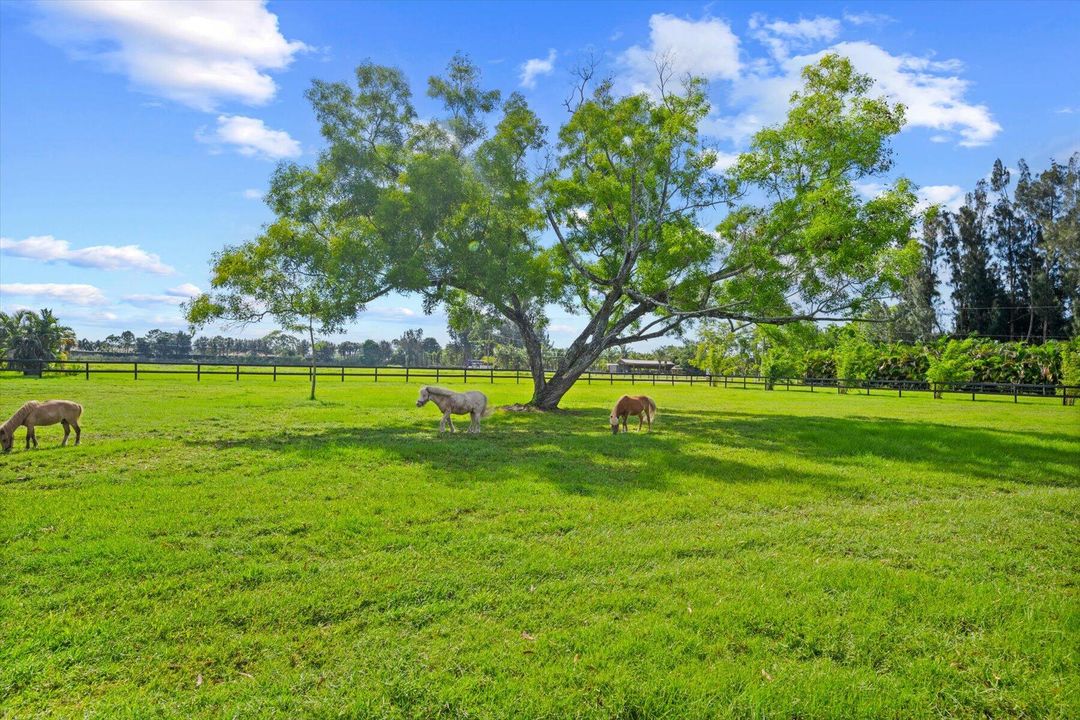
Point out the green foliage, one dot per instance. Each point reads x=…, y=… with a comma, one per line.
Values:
x=952, y=364
x=33, y=336
x=454, y=206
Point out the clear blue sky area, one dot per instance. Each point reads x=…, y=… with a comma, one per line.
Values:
x=137, y=138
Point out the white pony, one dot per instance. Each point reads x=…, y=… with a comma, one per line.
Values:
x=470, y=403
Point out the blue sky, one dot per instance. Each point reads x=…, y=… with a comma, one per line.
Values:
x=136, y=139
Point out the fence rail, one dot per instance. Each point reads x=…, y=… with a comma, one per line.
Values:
x=465, y=375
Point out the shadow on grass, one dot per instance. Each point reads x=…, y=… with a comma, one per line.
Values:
x=574, y=450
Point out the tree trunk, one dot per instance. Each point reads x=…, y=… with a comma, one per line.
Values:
x=311, y=335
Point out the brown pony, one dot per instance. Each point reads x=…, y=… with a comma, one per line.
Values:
x=640, y=405
x=36, y=413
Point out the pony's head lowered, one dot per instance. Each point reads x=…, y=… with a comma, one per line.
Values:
x=7, y=439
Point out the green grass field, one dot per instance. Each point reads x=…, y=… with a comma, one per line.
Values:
x=231, y=549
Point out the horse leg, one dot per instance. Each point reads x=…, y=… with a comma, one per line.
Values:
x=67, y=431
x=450, y=420
x=31, y=436
x=474, y=426
x=78, y=432
x=640, y=420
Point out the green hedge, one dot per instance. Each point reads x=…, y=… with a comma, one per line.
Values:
x=973, y=359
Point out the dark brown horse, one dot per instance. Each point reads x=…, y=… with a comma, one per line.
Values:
x=639, y=405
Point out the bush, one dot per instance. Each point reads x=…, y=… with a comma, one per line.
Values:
x=952, y=365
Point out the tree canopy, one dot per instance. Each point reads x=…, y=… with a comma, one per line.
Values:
x=609, y=221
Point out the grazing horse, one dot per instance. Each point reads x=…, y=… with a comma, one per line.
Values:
x=36, y=413
x=640, y=405
x=470, y=403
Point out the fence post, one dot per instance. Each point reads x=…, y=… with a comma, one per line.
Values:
x=691, y=381
x=87, y=371
x=672, y=379
x=436, y=374
x=342, y=373
x=611, y=378
x=198, y=372
x=136, y=371
x=275, y=373
x=376, y=373
x=972, y=393
x=406, y=373
x=492, y=368
x=632, y=380
x=743, y=382
x=1014, y=393
x=465, y=376
x=237, y=372
x=517, y=375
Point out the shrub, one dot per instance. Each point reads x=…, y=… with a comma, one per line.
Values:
x=952, y=365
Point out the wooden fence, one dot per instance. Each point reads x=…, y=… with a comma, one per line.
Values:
x=464, y=375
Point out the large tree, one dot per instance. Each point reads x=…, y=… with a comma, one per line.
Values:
x=615, y=226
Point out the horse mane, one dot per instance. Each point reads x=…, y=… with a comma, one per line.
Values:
x=436, y=390
x=17, y=419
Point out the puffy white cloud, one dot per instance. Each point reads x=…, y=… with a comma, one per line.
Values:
x=193, y=52
x=67, y=292
x=253, y=194
x=173, y=296
x=250, y=137
x=706, y=48
x=103, y=257
x=934, y=95
x=780, y=35
x=535, y=67
x=951, y=197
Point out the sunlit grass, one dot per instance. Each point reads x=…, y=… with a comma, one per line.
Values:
x=230, y=549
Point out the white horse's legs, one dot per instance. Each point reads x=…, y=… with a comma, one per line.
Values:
x=474, y=423
x=446, y=419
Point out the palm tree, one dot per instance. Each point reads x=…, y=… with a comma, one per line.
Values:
x=27, y=338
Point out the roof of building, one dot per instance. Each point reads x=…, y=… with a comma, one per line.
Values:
x=645, y=363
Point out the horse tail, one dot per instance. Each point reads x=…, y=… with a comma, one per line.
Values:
x=652, y=408
x=488, y=410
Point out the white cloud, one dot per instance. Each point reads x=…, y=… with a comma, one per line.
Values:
x=72, y=293
x=820, y=28
x=867, y=18
x=951, y=197
x=535, y=67
x=934, y=98
x=724, y=160
x=195, y=53
x=253, y=194
x=706, y=48
x=172, y=296
x=780, y=35
x=103, y=257
x=251, y=137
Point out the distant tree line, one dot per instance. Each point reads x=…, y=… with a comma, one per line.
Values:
x=1011, y=258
